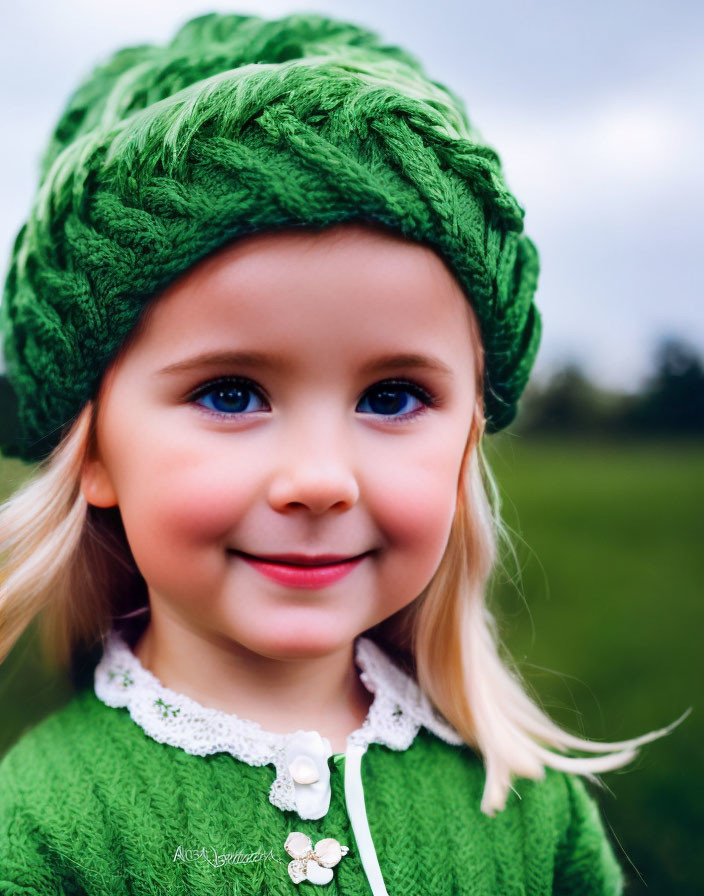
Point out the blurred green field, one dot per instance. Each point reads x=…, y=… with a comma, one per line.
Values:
x=612, y=566
x=609, y=543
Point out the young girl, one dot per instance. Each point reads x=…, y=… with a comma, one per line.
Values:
x=272, y=293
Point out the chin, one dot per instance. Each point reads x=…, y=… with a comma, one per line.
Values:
x=306, y=643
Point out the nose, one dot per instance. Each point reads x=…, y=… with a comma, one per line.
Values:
x=315, y=471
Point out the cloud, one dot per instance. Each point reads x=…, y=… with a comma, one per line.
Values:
x=621, y=150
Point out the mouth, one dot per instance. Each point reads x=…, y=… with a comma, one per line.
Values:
x=300, y=560
x=303, y=571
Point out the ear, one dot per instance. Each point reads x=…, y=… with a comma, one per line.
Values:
x=96, y=484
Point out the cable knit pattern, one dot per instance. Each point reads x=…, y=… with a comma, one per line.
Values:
x=91, y=804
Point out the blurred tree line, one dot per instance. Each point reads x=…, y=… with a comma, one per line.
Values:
x=669, y=403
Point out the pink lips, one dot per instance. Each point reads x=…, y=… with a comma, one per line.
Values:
x=297, y=576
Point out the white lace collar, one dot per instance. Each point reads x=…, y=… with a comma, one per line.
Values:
x=397, y=711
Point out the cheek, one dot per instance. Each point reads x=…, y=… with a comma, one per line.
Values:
x=414, y=504
x=183, y=501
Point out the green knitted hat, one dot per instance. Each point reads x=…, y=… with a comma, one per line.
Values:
x=239, y=124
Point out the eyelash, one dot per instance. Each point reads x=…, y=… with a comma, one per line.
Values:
x=428, y=399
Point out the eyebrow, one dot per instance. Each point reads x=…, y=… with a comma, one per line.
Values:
x=264, y=361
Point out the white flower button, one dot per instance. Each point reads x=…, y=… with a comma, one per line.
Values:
x=306, y=759
x=314, y=865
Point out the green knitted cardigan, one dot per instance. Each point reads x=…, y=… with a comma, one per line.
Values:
x=92, y=804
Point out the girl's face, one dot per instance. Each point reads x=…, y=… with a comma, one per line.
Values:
x=295, y=393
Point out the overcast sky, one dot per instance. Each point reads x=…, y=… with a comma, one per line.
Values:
x=595, y=108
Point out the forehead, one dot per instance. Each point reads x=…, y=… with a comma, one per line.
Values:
x=353, y=288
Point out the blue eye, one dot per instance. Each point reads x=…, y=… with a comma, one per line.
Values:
x=231, y=396
x=391, y=398
x=226, y=397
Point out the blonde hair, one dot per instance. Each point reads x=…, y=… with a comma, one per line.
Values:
x=69, y=563
x=64, y=561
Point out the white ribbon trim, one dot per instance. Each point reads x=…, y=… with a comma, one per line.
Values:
x=354, y=796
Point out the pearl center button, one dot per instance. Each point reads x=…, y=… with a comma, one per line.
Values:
x=303, y=770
